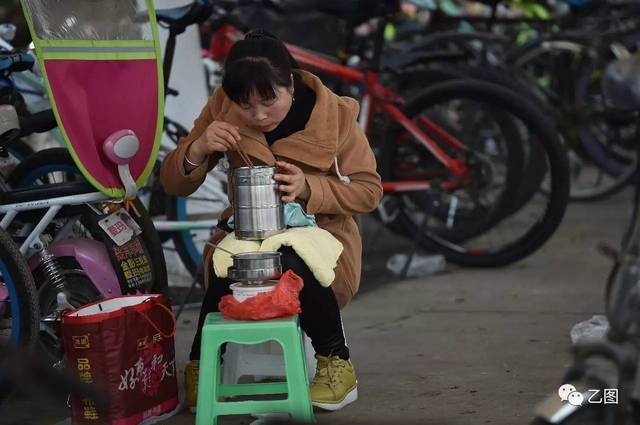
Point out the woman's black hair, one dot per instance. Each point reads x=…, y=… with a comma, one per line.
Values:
x=259, y=63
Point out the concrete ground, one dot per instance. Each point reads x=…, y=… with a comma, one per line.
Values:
x=467, y=346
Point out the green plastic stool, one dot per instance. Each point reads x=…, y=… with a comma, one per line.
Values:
x=215, y=332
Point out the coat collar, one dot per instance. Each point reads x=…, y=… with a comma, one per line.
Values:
x=315, y=145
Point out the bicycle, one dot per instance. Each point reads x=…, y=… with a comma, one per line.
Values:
x=81, y=268
x=123, y=254
x=433, y=179
x=169, y=212
x=610, y=363
x=559, y=70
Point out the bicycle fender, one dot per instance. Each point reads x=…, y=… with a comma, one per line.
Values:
x=93, y=259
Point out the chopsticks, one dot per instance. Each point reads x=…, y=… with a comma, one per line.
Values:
x=245, y=157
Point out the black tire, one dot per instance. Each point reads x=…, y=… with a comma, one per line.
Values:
x=538, y=125
x=43, y=162
x=569, y=102
x=171, y=205
x=15, y=274
x=417, y=77
x=183, y=241
x=78, y=289
x=154, y=245
x=474, y=223
x=25, y=291
x=30, y=168
x=188, y=242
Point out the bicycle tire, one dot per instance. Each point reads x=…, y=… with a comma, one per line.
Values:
x=22, y=292
x=78, y=289
x=558, y=170
x=40, y=164
x=175, y=206
x=534, y=167
x=587, y=144
x=23, y=296
x=51, y=160
x=183, y=242
x=186, y=242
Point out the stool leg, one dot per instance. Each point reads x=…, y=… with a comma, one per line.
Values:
x=208, y=381
x=231, y=370
x=310, y=358
x=297, y=380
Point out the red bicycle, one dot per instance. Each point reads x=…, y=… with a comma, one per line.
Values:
x=452, y=154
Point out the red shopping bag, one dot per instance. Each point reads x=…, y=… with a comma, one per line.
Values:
x=125, y=346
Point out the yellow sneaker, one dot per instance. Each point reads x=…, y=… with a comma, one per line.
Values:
x=191, y=373
x=335, y=384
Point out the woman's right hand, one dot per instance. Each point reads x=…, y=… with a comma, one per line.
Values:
x=220, y=136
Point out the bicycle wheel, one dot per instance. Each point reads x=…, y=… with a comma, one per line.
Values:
x=203, y=207
x=55, y=165
x=19, y=313
x=482, y=201
x=565, y=69
x=416, y=78
x=78, y=290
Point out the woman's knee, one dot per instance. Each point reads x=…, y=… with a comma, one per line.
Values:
x=290, y=260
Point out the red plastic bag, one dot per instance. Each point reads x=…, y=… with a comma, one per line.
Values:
x=281, y=301
x=124, y=345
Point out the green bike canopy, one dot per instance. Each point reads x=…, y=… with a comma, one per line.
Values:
x=102, y=67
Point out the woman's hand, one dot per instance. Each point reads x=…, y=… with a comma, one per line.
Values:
x=220, y=136
x=292, y=182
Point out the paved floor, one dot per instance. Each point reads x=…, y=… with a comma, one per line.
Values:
x=468, y=346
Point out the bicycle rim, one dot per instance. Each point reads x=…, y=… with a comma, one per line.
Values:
x=204, y=205
x=543, y=213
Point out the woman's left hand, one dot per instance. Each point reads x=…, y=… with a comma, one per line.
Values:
x=291, y=182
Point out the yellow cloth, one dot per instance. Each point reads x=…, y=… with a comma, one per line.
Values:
x=318, y=248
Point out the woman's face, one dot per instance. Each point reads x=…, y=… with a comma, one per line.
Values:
x=265, y=114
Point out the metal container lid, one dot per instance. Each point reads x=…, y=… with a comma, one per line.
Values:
x=254, y=275
x=256, y=266
x=258, y=175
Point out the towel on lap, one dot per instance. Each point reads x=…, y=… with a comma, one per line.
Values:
x=318, y=248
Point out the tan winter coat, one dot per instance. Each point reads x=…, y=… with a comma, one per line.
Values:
x=332, y=133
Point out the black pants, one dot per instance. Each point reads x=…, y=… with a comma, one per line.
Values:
x=320, y=316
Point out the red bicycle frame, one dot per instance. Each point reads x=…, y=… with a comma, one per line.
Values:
x=382, y=98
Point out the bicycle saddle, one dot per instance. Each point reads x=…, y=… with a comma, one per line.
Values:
x=16, y=62
x=621, y=83
x=183, y=16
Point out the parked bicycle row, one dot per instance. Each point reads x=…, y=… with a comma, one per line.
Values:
x=470, y=130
